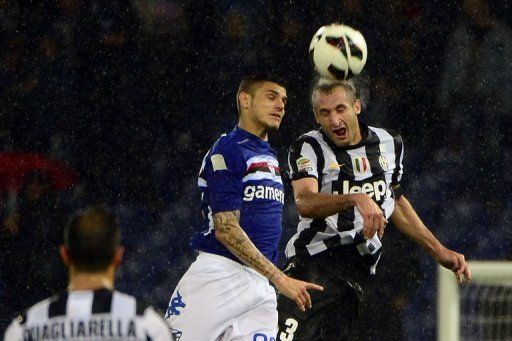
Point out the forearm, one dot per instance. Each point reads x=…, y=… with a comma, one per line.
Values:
x=229, y=232
x=408, y=222
x=321, y=205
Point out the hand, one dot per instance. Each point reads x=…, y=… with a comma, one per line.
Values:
x=455, y=262
x=373, y=216
x=295, y=289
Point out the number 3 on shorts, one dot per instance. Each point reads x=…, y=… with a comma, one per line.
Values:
x=292, y=325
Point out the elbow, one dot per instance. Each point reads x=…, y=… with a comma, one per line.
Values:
x=305, y=211
x=220, y=235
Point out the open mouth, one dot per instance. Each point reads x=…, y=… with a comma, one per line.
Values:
x=340, y=132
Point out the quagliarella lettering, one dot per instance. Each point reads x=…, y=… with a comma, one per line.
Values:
x=96, y=327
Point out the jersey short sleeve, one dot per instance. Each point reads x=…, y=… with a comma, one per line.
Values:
x=399, y=168
x=156, y=328
x=14, y=332
x=302, y=160
x=226, y=169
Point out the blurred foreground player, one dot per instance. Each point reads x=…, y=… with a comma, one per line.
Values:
x=90, y=309
x=226, y=294
x=346, y=181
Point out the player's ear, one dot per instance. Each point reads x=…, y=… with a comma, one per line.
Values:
x=245, y=100
x=357, y=106
x=118, y=256
x=64, y=254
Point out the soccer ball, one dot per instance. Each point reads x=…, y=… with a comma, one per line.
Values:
x=338, y=51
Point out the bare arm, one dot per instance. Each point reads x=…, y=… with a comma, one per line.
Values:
x=229, y=232
x=312, y=204
x=233, y=237
x=408, y=221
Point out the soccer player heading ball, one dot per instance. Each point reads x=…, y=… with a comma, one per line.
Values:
x=346, y=182
x=225, y=294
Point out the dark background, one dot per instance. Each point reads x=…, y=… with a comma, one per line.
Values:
x=131, y=94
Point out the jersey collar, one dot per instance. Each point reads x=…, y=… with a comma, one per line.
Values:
x=244, y=134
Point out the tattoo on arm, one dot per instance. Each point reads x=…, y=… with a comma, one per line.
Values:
x=229, y=232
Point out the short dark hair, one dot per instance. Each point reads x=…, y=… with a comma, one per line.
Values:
x=92, y=238
x=326, y=86
x=250, y=82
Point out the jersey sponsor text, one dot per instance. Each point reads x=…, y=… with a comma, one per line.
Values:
x=376, y=189
x=263, y=192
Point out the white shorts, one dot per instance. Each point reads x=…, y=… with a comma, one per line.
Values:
x=220, y=299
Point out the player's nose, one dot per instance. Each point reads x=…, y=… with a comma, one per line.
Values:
x=334, y=120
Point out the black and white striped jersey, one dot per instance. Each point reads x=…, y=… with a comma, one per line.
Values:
x=89, y=315
x=373, y=166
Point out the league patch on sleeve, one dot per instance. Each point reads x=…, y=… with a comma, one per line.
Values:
x=304, y=164
x=218, y=162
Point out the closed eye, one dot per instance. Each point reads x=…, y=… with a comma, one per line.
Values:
x=341, y=108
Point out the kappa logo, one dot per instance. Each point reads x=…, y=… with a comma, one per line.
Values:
x=176, y=303
x=176, y=333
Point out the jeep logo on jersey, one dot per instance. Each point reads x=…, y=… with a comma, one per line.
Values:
x=360, y=164
x=375, y=189
x=263, y=192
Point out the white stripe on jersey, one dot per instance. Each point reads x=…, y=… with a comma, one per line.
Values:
x=39, y=311
x=258, y=175
x=385, y=140
x=262, y=175
x=123, y=306
x=202, y=182
x=308, y=150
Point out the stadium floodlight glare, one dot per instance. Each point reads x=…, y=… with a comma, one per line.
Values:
x=480, y=310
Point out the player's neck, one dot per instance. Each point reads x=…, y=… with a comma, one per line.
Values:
x=79, y=280
x=253, y=128
x=357, y=138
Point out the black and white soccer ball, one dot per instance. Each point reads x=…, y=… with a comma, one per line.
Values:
x=338, y=51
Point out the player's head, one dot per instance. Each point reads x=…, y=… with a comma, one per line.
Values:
x=336, y=106
x=261, y=100
x=92, y=241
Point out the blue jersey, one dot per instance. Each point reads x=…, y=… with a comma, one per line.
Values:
x=241, y=172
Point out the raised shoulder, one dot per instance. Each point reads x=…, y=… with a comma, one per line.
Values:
x=312, y=138
x=388, y=136
x=305, y=157
x=386, y=131
x=226, y=152
x=313, y=134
